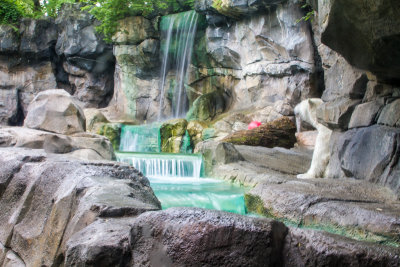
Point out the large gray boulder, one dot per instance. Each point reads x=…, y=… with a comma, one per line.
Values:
x=45, y=200
x=371, y=154
x=55, y=111
x=197, y=237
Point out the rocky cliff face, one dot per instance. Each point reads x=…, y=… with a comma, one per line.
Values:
x=252, y=60
x=47, y=54
x=361, y=93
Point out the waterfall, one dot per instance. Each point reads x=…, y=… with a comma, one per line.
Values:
x=164, y=165
x=177, y=36
x=140, y=138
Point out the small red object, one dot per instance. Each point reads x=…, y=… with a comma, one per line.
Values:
x=253, y=124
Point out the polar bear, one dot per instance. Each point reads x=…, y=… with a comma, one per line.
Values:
x=306, y=110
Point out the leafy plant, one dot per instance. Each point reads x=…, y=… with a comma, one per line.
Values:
x=310, y=12
x=52, y=7
x=10, y=11
x=109, y=12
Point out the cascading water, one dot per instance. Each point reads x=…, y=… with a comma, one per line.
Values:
x=165, y=165
x=176, y=179
x=142, y=138
x=177, y=36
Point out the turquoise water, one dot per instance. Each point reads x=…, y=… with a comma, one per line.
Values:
x=140, y=138
x=177, y=181
x=202, y=193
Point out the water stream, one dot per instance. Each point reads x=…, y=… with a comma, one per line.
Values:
x=177, y=179
x=177, y=36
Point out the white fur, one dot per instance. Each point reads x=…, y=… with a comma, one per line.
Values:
x=307, y=111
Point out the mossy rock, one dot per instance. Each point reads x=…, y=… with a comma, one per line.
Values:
x=113, y=132
x=171, y=133
x=278, y=133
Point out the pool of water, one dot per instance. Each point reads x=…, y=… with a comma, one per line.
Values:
x=176, y=181
x=199, y=192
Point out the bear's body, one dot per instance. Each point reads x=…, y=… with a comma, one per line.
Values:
x=307, y=111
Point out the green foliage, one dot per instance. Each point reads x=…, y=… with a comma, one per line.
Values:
x=12, y=11
x=310, y=12
x=52, y=7
x=109, y=12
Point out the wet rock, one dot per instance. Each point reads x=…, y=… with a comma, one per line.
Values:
x=171, y=133
x=373, y=29
x=55, y=111
x=113, y=132
x=280, y=132
x=102, y=243
x=390, y=114
x=336, y=114
x=182, y=236
x=47, y=199
x=304, y=247
x=366, y=114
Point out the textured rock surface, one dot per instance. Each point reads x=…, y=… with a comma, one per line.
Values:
x=171, y=133
x=366, y=114
x=337, y=114
x=194, y=237
x=313, y=248
x=278, y=133
x=87, y=63
x=46, y=54
x=46, y=199
x=391, y=114
x=55, y=111
x=277, y=158
x=96, y=146
x=372, y=27
x=372, y=154
x=217, y=153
